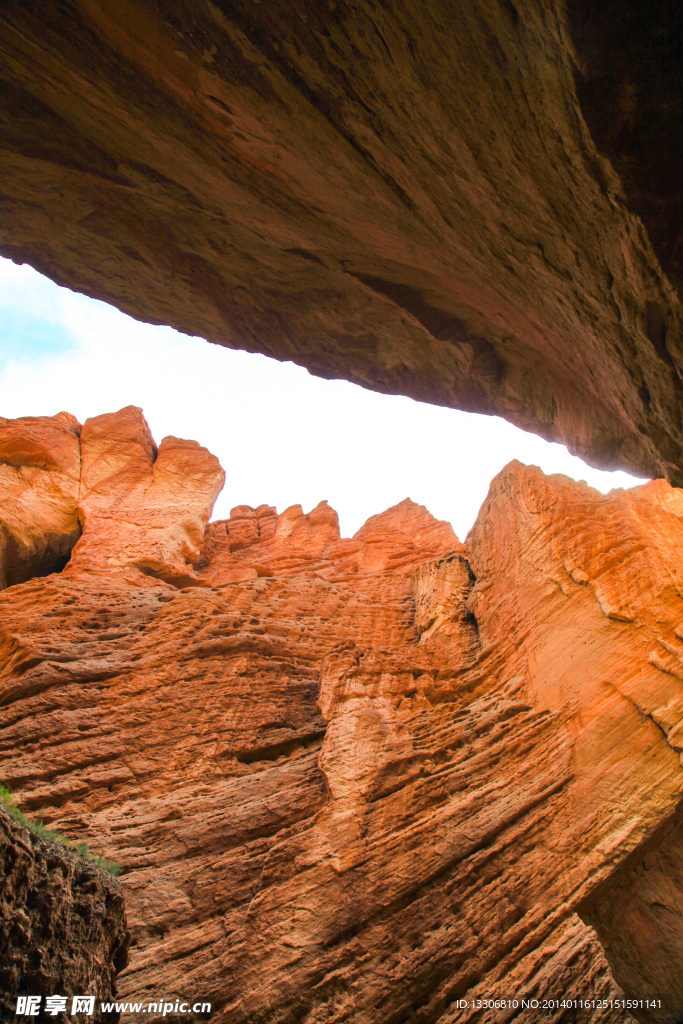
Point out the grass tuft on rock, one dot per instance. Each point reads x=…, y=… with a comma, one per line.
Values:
x=50, y=836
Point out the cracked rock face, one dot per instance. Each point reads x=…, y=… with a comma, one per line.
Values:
x=477, y=206
x=365, y=779
x=62, y=925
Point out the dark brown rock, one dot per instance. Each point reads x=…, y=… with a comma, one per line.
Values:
x=62, y=925
x=407, y=196
x=638, y=918
x=630, y=87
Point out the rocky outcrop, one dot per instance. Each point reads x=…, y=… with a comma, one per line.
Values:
x=39, y=479
x=139, y=505
x=375, y=779
x=454, y=204
x=62, y=926
x=107, y=484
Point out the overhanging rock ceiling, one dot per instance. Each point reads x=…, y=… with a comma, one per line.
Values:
x=474, y=204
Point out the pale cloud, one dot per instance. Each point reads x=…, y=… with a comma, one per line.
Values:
x=283, y=436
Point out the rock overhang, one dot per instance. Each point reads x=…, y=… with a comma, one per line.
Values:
x=430, y=203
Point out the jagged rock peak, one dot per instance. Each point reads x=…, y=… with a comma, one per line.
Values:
x=103, y=496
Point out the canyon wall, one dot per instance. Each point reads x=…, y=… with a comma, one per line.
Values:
x=371, y=779
x=474, y=204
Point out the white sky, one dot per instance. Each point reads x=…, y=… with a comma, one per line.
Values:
x=283, y=436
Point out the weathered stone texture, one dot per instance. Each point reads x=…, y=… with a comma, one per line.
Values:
x=630, y=87
x=139, y=505
x=62, y=926
x=638, y=915
x=418, y=197
x=39, y=477
x=361, y=780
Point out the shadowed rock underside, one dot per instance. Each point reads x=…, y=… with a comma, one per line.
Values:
x=475, y=204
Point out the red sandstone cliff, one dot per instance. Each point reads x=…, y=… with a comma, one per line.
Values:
x=362, y=780
x=39, y=481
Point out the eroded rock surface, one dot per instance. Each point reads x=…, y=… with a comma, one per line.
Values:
x=366, y=779
x=141, y=505
x=39, y=481
x=638, y=915
x=434, y=200
x=62, y=925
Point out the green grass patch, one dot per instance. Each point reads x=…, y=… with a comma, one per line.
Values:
x=50, y=836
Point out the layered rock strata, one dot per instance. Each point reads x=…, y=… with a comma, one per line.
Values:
x=477, y=206
x=377, y=779
x=62, y=926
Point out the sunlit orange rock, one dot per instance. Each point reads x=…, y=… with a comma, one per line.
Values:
x=374, y=779
x=142, y=506
x=39, y=478
x=259, y=542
